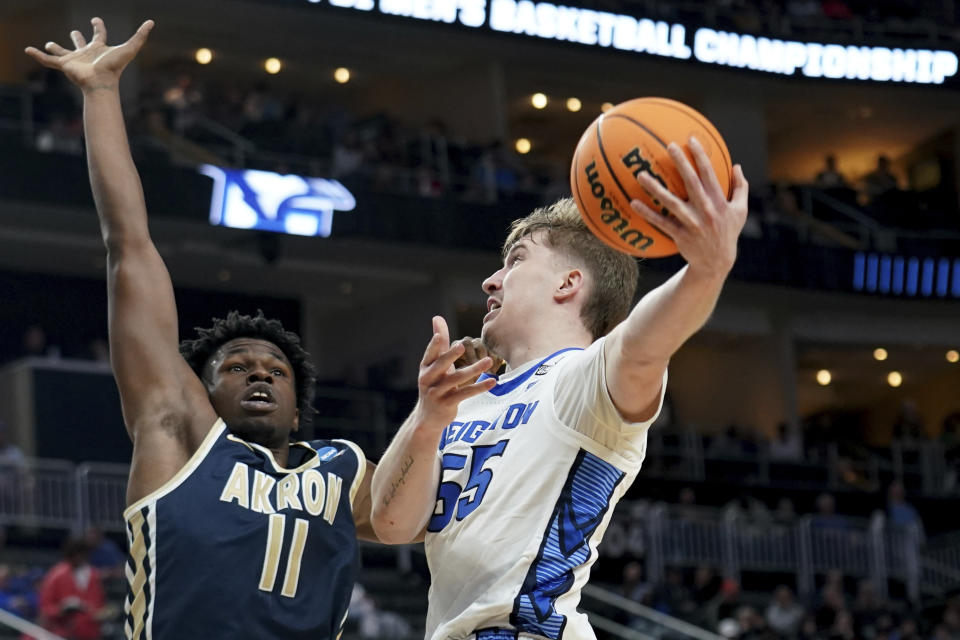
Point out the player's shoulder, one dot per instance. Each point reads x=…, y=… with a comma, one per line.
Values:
x=566, y=358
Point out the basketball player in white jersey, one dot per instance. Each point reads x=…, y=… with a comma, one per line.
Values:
x=515, y=486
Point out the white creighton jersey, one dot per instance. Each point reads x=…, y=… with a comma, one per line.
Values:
x=531, y=471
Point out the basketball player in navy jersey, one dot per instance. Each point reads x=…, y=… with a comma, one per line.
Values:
x=514, y=487
x=234, y=531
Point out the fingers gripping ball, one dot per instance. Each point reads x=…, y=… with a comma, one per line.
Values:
x=623, y=142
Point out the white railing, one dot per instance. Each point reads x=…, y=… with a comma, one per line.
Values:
x=38, y=493
x=57, y=494
x=657, y=624
x=805, y=547
x=27, y=628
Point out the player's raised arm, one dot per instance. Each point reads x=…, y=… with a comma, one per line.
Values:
x=705, y=228
x=404, y=485
x=159, y=392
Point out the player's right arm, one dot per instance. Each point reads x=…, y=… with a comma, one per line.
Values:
x=165, y=406
x=404, y=485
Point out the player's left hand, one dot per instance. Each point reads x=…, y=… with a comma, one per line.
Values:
x=706, y=225
x=92, y=64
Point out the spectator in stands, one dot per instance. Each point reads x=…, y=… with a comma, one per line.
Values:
x=829, y=177
x=182, y=100
x=804, y=9
x=832, y=604
x=98, y=350
x=808, y=628
x=725, y=605
x=900, y=513
x=347, y=156
x=373, y=622
x=785, y=513
x=750, y=624
x=35, y=345
x=879, y=181
x=10, y=599
x=842, y=627
x=673, y=597
x=908, y=630
x=951, y=616
x=826, y=516
x=686, y=507
x=72, y=600
x=634, y=587
x=787, y=445
x=105, y=555
x=836, y=9
x=868, y=608
x=909, y=426
x=11, y=456
x=706, y=585
x=747, y=510
x=730, y=444
x=784, y=614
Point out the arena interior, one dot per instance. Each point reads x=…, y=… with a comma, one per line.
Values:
x=802, y=480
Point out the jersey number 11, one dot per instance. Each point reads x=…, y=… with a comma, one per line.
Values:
x=271, y=559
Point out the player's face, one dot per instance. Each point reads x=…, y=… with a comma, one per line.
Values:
x=252, y=387
x=520, y=291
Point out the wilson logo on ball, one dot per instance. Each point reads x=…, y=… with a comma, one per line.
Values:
x=610, y=216
x=631, y=139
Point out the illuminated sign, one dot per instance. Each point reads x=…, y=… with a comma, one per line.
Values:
x=267, y=201
x=641, y=35
x=906, y=275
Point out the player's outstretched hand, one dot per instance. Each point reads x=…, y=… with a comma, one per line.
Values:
x=474, y=350
x=442, y=386
x=92, y=64
x=706, y=226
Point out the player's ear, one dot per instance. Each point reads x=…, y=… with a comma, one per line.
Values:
x=296, y=419
x=571, y=284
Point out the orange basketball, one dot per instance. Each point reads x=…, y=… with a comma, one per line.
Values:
x=630, y=138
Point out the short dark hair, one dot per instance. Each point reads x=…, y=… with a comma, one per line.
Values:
x=198, y=352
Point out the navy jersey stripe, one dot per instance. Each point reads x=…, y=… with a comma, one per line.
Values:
x=507, y=387
x=582, y=504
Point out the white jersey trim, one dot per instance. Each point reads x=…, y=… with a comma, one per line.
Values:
x=180, y=476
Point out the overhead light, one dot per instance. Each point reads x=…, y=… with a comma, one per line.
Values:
x=606, y=106
x=342, y=75
x=953, y=355
x=203, y=55
x=272, y=65
x=538, y=100
x=824, y=377
x=894, y=379
x=574, y=104
x=522, y=145
x=880, y=354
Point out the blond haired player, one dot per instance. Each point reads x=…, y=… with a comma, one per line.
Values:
x=515, y=486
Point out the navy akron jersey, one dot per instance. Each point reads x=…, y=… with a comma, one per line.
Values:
x=235, y=546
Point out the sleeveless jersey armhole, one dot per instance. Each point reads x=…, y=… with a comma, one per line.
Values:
x=361, y=468
x=180, y=476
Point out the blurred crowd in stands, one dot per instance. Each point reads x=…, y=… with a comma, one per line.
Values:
x=842, y=609
x=188, y=121
x=78, y=598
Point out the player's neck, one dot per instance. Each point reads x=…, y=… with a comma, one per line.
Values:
x=281, y=454
x=539, y=346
